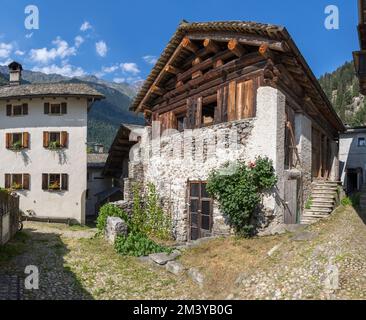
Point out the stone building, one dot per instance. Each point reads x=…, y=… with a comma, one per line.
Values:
x=231, y=91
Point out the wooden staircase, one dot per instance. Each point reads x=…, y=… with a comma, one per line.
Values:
x=324, y=199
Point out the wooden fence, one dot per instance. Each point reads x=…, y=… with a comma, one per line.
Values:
x=9, y=216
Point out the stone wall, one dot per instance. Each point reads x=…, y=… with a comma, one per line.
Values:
x=193, y=154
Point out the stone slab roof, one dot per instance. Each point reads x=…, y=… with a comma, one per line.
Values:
x=97, y=160
x=49, y=89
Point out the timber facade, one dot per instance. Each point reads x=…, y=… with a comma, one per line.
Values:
x=232, y=91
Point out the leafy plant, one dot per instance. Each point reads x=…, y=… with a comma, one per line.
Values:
x=109, y=210
x=54, y=186
x=159, y=224
x=238, y=188
x=17, y=146
x=353, y=200
x=309, y=203
x=137, y=244
x=54, y=145
x=16, y=186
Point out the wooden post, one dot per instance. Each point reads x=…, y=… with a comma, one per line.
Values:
x=189, y=45
x=211, y=46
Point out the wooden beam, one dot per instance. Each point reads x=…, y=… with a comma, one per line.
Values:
x=189, y=45
x=265, y=51
x=211, y=46
x=196, y=61
x=235, y=47
x=172, y=70
x=250, y=40
x=157, y=90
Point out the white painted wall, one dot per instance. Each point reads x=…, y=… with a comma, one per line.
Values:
x=37, y=160
x=96, y=185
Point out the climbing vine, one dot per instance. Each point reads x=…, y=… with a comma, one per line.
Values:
x=238, y=186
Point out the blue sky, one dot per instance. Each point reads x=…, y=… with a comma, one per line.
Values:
x=121, y=39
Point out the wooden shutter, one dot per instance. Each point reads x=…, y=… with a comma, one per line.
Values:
x=25, y=108
x=64, y=139
x=8, y=140
x=44, y=181
x=46, y=139
x=64, y=181
x=63, y=108
x=7, y=181
x=25, y=140
x=8, y=110
x=199, y=112
x=26, y=181
x=46, y=108
x=245, y=100
x=231, y=110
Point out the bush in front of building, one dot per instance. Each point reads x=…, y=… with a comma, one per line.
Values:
x=238, y=186
x=109, y=210
x=138, y=244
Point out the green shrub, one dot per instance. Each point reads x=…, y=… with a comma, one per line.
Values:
x=137, y=244
x=352, y=200
x=309, y=203
x=158, y=224
x=109, y=210
x=238, y=188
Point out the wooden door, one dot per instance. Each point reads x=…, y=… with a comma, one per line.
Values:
x=291, y=203
x=200, y=210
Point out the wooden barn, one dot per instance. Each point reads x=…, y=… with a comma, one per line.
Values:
x=233, y=91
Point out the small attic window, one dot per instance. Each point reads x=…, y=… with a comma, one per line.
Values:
x=208, y=113
x=180, y=122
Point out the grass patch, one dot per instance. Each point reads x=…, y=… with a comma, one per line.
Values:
x=14, y=247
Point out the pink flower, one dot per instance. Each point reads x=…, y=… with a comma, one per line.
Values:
x=251, y=164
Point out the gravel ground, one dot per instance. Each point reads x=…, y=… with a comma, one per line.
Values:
x=325, y=261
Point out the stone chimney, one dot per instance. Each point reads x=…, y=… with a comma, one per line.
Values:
x=15, y=73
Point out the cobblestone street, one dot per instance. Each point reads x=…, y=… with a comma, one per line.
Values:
x=324, y=261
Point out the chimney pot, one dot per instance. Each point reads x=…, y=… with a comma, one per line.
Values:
x=15, y=73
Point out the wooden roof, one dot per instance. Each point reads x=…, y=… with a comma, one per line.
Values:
x=247, y=33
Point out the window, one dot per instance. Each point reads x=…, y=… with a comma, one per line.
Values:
x=361, y=142
x=181, y=122
x=17, y=141
x=55, y=108
x=16, y=110
x=55, y=139
x=208, y=113
x=17, y=181
x=55, y=181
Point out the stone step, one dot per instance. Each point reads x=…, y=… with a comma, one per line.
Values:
x=322, y=194
x=312, y=217
x=327, y=182
x=320, y=209
x=317, y=204
x=332, y=189
x=323, y=201
x=309, y=221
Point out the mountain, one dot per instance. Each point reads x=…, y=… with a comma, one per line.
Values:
x=106, y=115
x=342, y=89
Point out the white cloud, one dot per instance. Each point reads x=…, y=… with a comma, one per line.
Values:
x=85, y=26
x=110, y=69
x=5, y=50
x=61, y=50
x=66, y=70
x=150, y=59
x=130, y=67
x=6, y=62
x=19, y=53
x=79, y=40
x=101, y=48
x=119, y=80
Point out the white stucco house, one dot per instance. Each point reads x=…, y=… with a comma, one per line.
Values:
x=43, y=129
x=352, y=158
